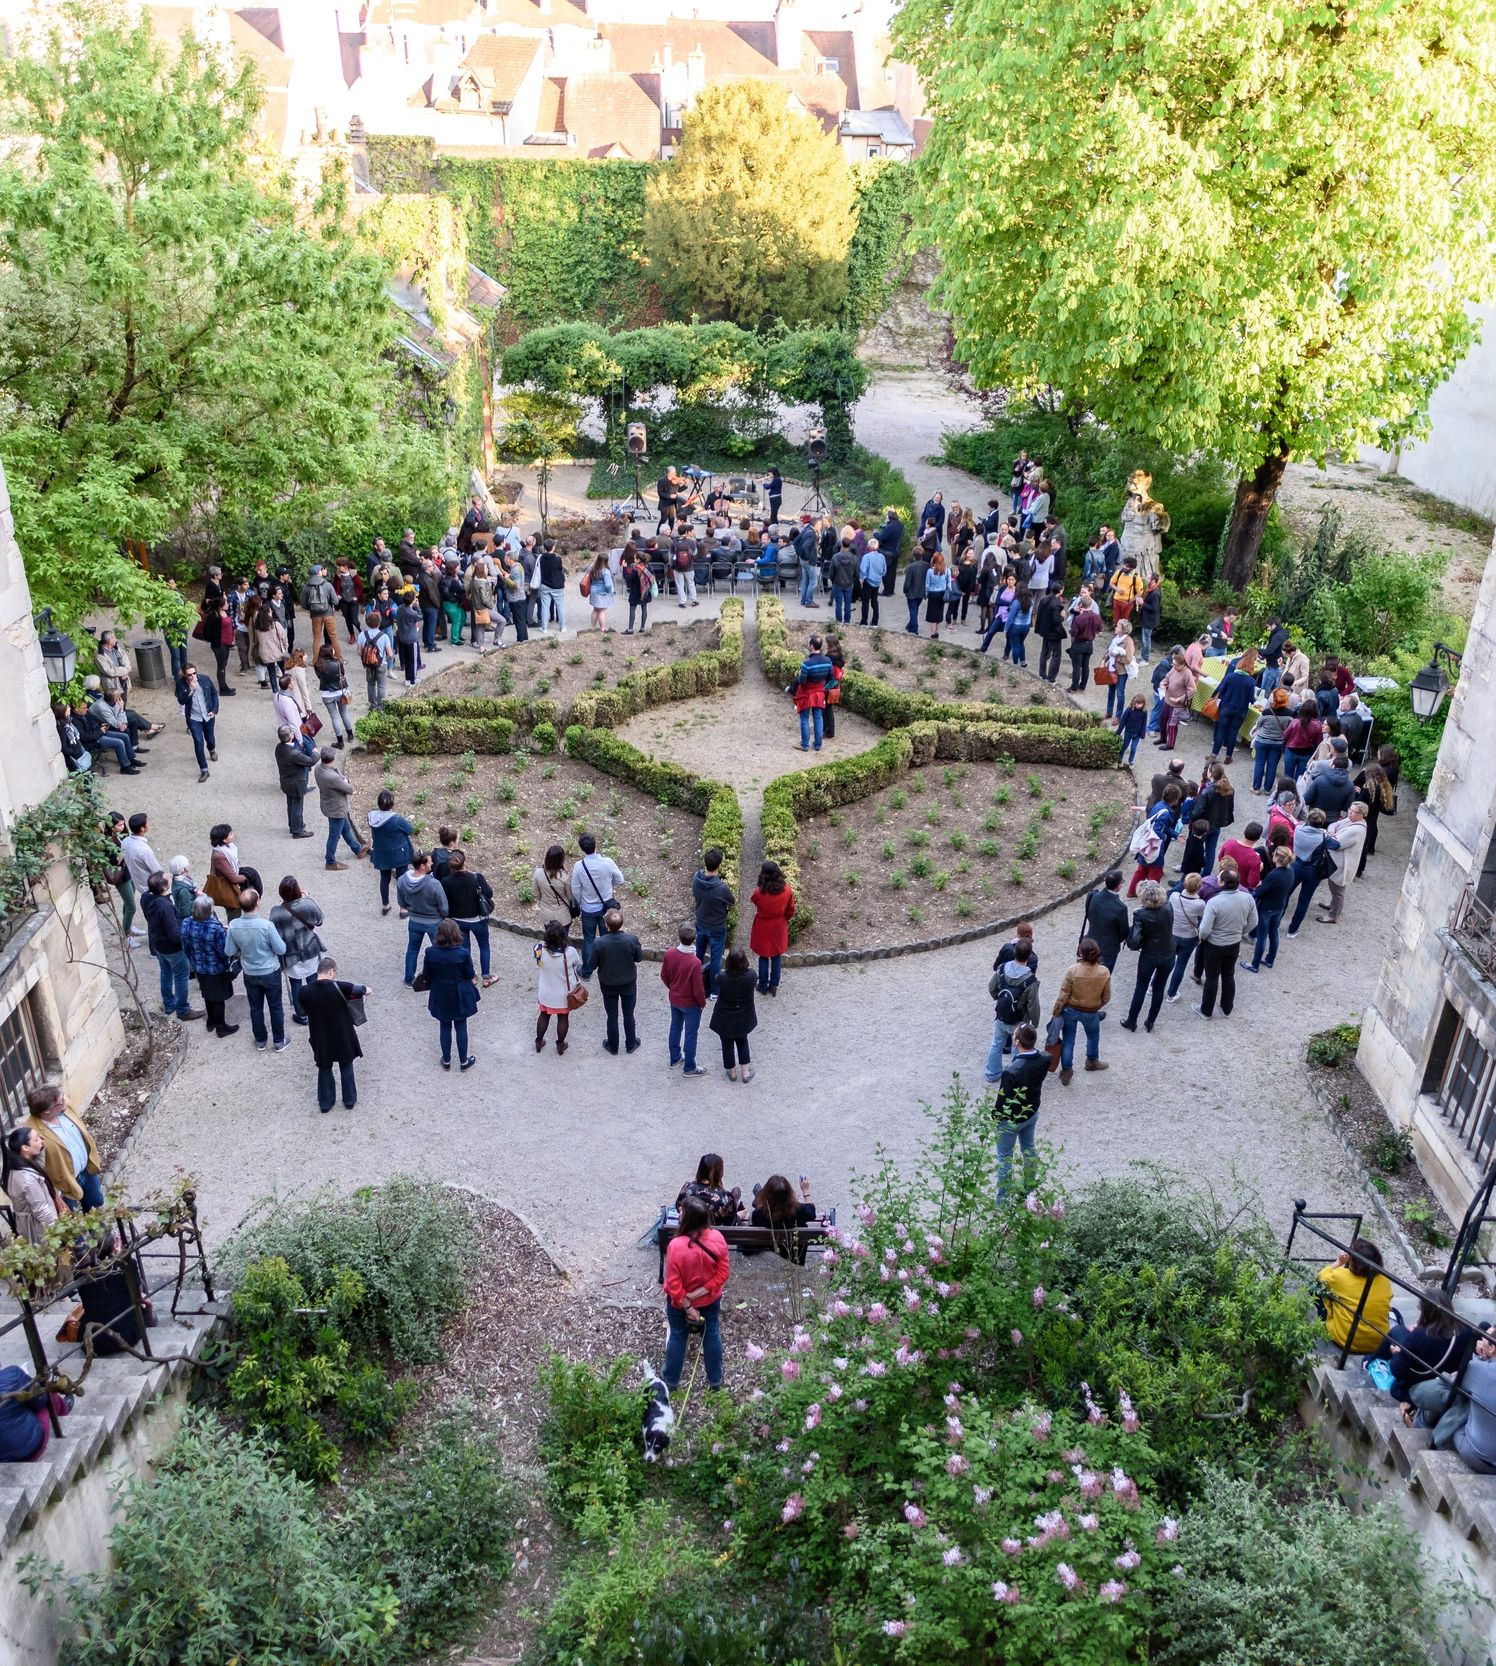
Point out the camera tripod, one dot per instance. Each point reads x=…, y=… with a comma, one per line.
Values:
x=817, y=503
x=637, y=505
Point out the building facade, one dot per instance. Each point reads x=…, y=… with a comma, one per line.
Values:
x=1428, y=1042
x=59, y=1018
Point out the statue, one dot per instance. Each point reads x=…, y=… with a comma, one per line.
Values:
x=1144, y=522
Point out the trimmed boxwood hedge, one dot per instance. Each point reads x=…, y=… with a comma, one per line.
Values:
x=456, y=723
x=814, y=791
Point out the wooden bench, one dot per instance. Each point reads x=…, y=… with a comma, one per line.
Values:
x=772, y=1238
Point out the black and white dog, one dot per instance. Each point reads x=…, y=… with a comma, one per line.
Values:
x=659, y=1416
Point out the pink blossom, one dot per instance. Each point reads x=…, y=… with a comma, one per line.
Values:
x=932, y=1307
x=810, y=1463
x=833, y=1232
x=1125, y=1490
x=956, y=1464
x=1057, y=1211
x=763, y=1431
x=840, y=1309
x=1113, y=1591
x=942, y=1289
x=783, y=1446
x=727, y=1525
x=1004, y=1593
x=803, y=1342
x=851, y=1530
x=911, y=1300
x=1090, y=1484
x=981, y=1497
x=794, y=1508
x=921, y=1271
x=1076, y=1457
x=866, y=1214
x=908, y=1246
x=813, y=1417
x=859, y=1405
x=900, y=1230
x=754, y=1352
x=1052, y=1525
x=875, y=1368
x=1038, y=1295
x=953, y=1429
x=861, y=1251
x=1067, y=1576
x=1131, y=1422
x=1014, y=1547
x=893, y=1628
x=877, y=1314
x=1177, y=1570
x=903, y=1275
x=1169, y=1531
x=953, y=1557
x=1017, y=1337
x=885, y=1275
x=907, y=1355
x=1033, y=1205
x=831, y=1258
x=1088, y=1522
x=1128, y=1560
x=840, y=1362
x=914, y=1515
x=789, y=1369
x=952, y=1399
x=890, y=1255
x=1042, y=1425
x=834, y=1392
x=756, y=1395
x=1055, y=1476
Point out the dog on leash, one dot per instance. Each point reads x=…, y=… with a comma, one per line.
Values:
x=659, y=1416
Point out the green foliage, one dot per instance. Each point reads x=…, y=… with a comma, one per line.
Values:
x=220, y=1555
x=879, y=250
x=1392, y=1150
x=178, y=325
x=699, y=1628
x=1331, y=1048
x=67, y=827
x=1258, y=1574
x=543, y=737
x=432, y=1522
x=1229, y=282
x=773, y=185
x=589, y=1441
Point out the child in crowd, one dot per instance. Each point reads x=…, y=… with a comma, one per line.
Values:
x=1193, y=860
x=1130, y=729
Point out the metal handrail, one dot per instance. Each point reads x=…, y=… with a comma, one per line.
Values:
x=1474, y=928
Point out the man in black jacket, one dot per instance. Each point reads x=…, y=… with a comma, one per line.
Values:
x=1049, y=623
x=615, y=958
x=1015, y=1104
x=714, y=901
x=1106, y=919
x=294, y=759
x=890, y=542
x=164, y=935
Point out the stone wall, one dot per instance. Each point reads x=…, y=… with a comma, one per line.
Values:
x=909, y=332
x=72, y=1005
x=1424, y=968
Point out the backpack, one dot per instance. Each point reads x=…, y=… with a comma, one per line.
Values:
x=1009, y=998
x=369, y=652
x=683, y=560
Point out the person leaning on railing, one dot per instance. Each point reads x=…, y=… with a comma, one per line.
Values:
x=1353, y=1270
x=1462, y=1416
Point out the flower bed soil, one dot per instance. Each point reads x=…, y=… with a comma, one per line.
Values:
x=942, y=670
x=509, y=808
x=560, y=668
x=953, y=845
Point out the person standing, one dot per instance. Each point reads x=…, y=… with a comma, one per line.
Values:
x=1014, y=988
x=199, y=703
x=454, y=603
x=260, y=947
x=696, y=1274
x=1084, y=994
x=552, y=569
x=1119, y=661
x=1152, y=935
x=321, y=602
x=815, y=672
x=714, y=901
x=774, y=907
x=872, y=572
x=294, y=761
x=640, y=584
x=615, y=958
x=1132, y=725
x=599, y=592
x=332, y=682
x=1267, y=742
x=734, y=1017
x=915, y=573
x=681, y=973
x=1234, y=694
x=331, y=1031
x=1085, y=627
x=1015, y=1105
x=164, y=938
x=407, y=634
x=559, y=968
x=206, y=944
x=774, y=491
x=335, y=797
x=429, y=594
x=1105, y=920
x=70, y=1159
x=1313, y=858
x=1178, y=689
x=420, y=893
x=1187, y=908
x=136, y=853
x=1215, y=803
x=1272, y=894
x=1049, y=624
x=296, y=917
x=1349, y=834
x=390, y=837
x=35, y=1203
x=1230, y=916
x=470, y=902
x=452, y=986
x=843, y=581
x=595, y=883
x=1303, y=734
x=376, y=653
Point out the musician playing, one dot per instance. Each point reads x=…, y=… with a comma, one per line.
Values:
x=717, y=501
x=668, y=489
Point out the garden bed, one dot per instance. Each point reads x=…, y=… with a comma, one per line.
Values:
x=951, y=846
x=941, y=670
x=561, y=668
x=509, y=809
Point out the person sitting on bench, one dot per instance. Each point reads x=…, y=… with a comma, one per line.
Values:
x=775, y=1206
x=723, y=1207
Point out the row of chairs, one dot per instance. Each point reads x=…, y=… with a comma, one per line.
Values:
x=712, y=571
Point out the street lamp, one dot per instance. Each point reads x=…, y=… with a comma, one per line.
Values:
x=59, y=655
x=1429, y=687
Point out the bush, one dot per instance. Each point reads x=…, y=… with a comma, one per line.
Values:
x=433, y=1523
x=1331, y=1048
x=408, y=1242
x=782, y=1628
x=1306, y=1582
x=589, y=1441
x=220, y=1556
x=543, y=737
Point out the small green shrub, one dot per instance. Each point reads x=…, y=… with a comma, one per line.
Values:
x=543, y=737
x=589, y=1440
x=921, y=867
x=1331, y=1048
x=1392, y=1150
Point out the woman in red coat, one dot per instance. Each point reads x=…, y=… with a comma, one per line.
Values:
x=696, y=1272
x=774, y=903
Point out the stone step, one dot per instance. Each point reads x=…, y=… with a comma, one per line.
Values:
x=1384, y=1424
x=13, y=1506
x=1440, y=1477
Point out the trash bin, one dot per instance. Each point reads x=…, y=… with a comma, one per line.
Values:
x=150, y=661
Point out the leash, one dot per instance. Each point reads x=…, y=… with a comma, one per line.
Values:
x=680, y=1416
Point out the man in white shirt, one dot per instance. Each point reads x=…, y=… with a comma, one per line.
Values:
x=139, y=859
x=595, y=881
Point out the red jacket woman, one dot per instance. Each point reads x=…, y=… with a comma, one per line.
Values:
x=774, y=904
x=696, y=1273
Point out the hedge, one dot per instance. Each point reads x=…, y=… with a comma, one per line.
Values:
x=456, y=723
x=814, y=791
x=667, y=783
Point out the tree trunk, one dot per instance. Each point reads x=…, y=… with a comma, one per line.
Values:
x=1254, y=498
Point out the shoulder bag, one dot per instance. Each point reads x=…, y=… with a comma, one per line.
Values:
x=576, y=993
x=1104, y=676
x=1211, y=710
x=573, y=907
x=356, y=1009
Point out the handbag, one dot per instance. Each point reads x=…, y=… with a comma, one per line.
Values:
x=420, y=983
x=1104, y=676
x=200, y=631
x=482, y=617
x=311, y=725
x=1054, y=1042
x=71, y=1325
x=1211, y=710
x=356, y=1009
x=576, y=993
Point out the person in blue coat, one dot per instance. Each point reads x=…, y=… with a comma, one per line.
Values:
x=389, y=837
x=1234, y=696
x=453, y=985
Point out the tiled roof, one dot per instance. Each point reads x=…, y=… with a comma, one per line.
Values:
x=432, y=13
x=550, y=114
x=731, y=49
x=501, y=62
x=840, y=44
x=604, y=110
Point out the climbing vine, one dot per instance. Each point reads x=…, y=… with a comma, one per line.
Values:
x=66, y=826
x=882, y=246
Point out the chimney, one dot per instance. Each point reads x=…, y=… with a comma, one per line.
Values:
x=696, y=71
x=787, y=35
x=667, y=58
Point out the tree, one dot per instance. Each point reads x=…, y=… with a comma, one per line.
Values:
x=177, y=327
x=752, y=218
x=1250, y=230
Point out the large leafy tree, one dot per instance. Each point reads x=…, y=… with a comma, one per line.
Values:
x=752, y=218
x=178, y=328
x=1250, y=229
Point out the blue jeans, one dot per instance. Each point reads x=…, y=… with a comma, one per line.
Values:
x=1016, y=640
x=1156, y=716
x=447, y=1026
x=685, y=1024
x=93, y=1194
x=711, y=1344
x=1227, y=733
x=178, y=658
x=1306, y=885
x=914, y=604
x=416, y=933
x=1116, y=696
x=325, y=1094
x=841, y=603
x=992, y=630
x=1212, y=839
x=260, y=992
x=590, y=923
x=1146, y=632
x=1129, y=749
x=1184, y=947
x=338, y=828
x=1010, y=1134
x=553, y=606
x=1267, y=938
x=204, y=739
x=808, y=576
x=1294, y=764
x=819, y=715
x=429, y=617
x=768, y=971
x=476, y=930
x=1272, y=675
x=710, y=947
x=1002, y=1043
x=1265, y=761
x=1090, y=1022
x=173, y=968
